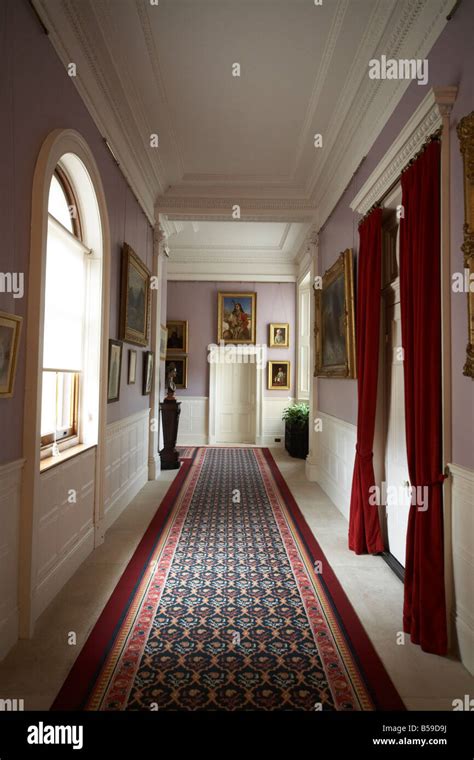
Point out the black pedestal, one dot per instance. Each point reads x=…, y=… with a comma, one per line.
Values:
x=170, y=411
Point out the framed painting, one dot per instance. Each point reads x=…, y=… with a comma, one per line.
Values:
x=236, y=317
x=132, y=366
x=279, y=335
x=279, y=376
x=10, y=330
x=135, y=299
x=334, y=329
x=177, y=341
x=181, y=365
x=148, y=365
x=115, y=370
x=163, y=341
x=465, y=131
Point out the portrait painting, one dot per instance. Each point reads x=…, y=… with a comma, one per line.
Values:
x=10, y=329
x=148, y=366
x=135, y=299
x=334, y=321
x=177, y=341
x=181, y=366
x=279, y=335
x=132, y=367
x=236, y=317
x=115, y=370
x=278, y=376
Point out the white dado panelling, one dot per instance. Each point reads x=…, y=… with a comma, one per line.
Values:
x=272, y=423
x=65, y=528
x=10, y=493
x=193, y=421
x=126, y=463
x=463, y=560
x=331, y=462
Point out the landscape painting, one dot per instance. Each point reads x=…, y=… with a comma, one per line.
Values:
x=135, y=299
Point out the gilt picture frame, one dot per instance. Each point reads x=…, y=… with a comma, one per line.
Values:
x=279, y=335
x=181, y=364
x=279, y=375
x=135, y=299
x=163, y=341
x=177, y=340
x=465, y=130
x=236, y=318
x=10, y=332
x=334, y=329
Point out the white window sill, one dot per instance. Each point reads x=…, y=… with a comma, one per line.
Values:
x=63, y=456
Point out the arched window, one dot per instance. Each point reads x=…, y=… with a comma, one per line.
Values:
x=71, y=302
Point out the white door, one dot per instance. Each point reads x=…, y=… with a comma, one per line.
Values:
x=397, y=501
x=235, y=413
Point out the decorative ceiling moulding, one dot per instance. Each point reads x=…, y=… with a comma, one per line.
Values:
x=72, y=28
x=220, y=209
x=425, y=121
x=368, y=107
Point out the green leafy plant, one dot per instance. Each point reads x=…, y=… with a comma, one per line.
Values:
x=297, y=414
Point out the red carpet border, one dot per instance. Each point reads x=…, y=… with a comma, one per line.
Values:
x=222, y=607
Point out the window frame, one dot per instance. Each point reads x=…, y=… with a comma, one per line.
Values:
x=71, y=199
x=71, y=436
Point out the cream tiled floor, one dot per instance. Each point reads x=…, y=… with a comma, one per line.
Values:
x=35, y=670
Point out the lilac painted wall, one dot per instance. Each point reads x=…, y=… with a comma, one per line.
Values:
x=451, y=62
x=36, y=97
x=197, y=302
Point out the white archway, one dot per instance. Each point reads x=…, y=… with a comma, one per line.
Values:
x=69, y=145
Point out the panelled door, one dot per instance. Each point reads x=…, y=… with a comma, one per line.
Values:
x=235, y=413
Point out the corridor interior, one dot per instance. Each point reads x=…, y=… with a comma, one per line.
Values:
x=237, y=355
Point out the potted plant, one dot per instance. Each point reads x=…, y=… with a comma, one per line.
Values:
x=296, y=419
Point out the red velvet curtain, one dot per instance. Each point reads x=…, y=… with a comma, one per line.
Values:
x=424, y=611
x=364, y=526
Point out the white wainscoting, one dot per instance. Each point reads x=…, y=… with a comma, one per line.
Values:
x=65, y=527
x=126, y=463
x=194, y=429
x=331, y=461
x=10, y=501
x=193, y=421
x=463, y=560
x=272, y=423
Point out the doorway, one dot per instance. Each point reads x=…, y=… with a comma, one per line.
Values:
x=235, y=412
x=395, y=492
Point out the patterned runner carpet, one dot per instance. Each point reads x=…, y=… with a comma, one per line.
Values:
x=228, y=604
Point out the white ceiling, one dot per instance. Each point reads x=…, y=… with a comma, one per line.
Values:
x=166, y=69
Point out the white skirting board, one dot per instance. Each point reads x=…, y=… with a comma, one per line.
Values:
x=126, y=463
x=331, y=459
x=10, y=493
x=193, y=421
x=463, y=560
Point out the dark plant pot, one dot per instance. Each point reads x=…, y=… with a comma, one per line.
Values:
x=296, y=440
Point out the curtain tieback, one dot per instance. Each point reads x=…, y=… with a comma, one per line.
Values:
x=366, y=456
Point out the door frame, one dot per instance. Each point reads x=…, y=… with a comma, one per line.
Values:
x=220, y=355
